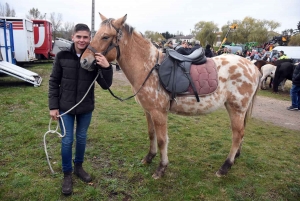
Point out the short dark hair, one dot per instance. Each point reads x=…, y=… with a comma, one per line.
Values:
x=81, y=27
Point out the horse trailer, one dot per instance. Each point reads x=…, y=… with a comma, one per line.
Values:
x=7, y=41
x=24, y=39
x=7, y=57
x=42, y=31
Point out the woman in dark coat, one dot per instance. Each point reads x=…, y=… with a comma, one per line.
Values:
x=208, y=52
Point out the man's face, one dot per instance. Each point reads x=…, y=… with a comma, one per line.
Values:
x=81, y=40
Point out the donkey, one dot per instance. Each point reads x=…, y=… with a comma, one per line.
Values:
x=238, y=82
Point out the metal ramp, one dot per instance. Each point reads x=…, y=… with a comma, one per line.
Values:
x=20, y=73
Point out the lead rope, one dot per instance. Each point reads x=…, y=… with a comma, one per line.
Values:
x=62, y=122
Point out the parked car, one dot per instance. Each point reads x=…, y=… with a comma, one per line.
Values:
x=234, y=49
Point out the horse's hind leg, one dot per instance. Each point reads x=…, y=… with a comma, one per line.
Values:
x=153, y=142
x=237, y=126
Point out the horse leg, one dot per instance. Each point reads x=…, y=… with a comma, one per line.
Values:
x=238, y=153
x=271, y=82
x=159, y=120
x=263, y=82
x=237, y=126
x=153, y=142
x=282, y=84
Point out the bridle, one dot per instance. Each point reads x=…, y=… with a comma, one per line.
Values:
x=116, y=45
x=112, y=44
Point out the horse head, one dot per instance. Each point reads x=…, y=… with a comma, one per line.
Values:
x=105, y=41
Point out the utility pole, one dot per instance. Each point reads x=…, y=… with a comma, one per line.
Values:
x=93, y=19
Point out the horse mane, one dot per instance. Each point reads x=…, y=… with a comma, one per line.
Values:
x=129, y=29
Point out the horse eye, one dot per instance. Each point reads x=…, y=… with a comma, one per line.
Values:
x=105, y=37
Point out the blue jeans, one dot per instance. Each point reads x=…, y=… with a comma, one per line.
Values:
x=82, y=125
x=295, y=96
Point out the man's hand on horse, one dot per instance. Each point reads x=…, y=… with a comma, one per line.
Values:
x=101, y=60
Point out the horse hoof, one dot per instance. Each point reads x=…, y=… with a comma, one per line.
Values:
x=218, y=174
x=155, y=176
x=144, y=162
x=221, y=173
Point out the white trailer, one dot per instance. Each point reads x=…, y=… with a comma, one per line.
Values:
x=7, y=61
x=23, y=39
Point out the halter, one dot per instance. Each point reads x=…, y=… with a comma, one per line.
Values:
x=112, y=44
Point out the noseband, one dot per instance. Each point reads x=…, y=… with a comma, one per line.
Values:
x=112, y=44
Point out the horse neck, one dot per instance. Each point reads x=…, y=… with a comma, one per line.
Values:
x=137, y=57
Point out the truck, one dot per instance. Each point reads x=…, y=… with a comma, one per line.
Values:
x=24, y=39
x=42, y=31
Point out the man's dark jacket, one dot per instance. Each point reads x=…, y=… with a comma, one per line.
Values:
x=296, y=75
x=69, y=82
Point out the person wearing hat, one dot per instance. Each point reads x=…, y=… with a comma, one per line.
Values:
x=282, y=55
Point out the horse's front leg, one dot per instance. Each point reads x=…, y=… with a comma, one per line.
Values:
x=159, y=119
x=153, y=142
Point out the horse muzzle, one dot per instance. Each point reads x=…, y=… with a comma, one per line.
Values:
x=87, y=65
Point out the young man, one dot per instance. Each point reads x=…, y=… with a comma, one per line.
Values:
x=67, y=85
x=295, y=90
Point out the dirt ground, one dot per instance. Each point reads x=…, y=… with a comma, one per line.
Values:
x=266, y=109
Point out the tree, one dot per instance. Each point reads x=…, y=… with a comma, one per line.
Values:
x=67, y=30
x=56, y=21
x=251, y=30
x=34, y=13
x=154, y=36
x=6, y=11
x=295, y=40
x=205, y=32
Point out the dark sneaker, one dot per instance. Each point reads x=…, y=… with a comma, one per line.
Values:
x=292, y=108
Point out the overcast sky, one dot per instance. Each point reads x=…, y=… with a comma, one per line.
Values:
x=166, y=15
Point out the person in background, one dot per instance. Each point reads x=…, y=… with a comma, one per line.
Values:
x=282, y=55
x=208, y=52
x=68, y=84
x=196, y=46
x=295, y=90
x=267, y=57
x=225, y=50
x=183, y=49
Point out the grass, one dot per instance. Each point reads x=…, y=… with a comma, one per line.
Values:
x=268, y=168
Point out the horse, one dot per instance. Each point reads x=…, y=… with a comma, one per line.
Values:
x=267, y=70
x=238, y=83
x=283, y=72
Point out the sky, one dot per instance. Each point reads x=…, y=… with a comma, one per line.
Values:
x=166, y=15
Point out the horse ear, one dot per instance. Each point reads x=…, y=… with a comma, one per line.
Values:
x=102, y=17
x=119, y=22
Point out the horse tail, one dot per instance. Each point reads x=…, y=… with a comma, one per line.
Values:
x=250, y=107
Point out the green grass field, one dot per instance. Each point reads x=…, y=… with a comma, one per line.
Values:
x=268, y=168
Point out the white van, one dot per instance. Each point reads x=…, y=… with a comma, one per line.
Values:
x=292, y=52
